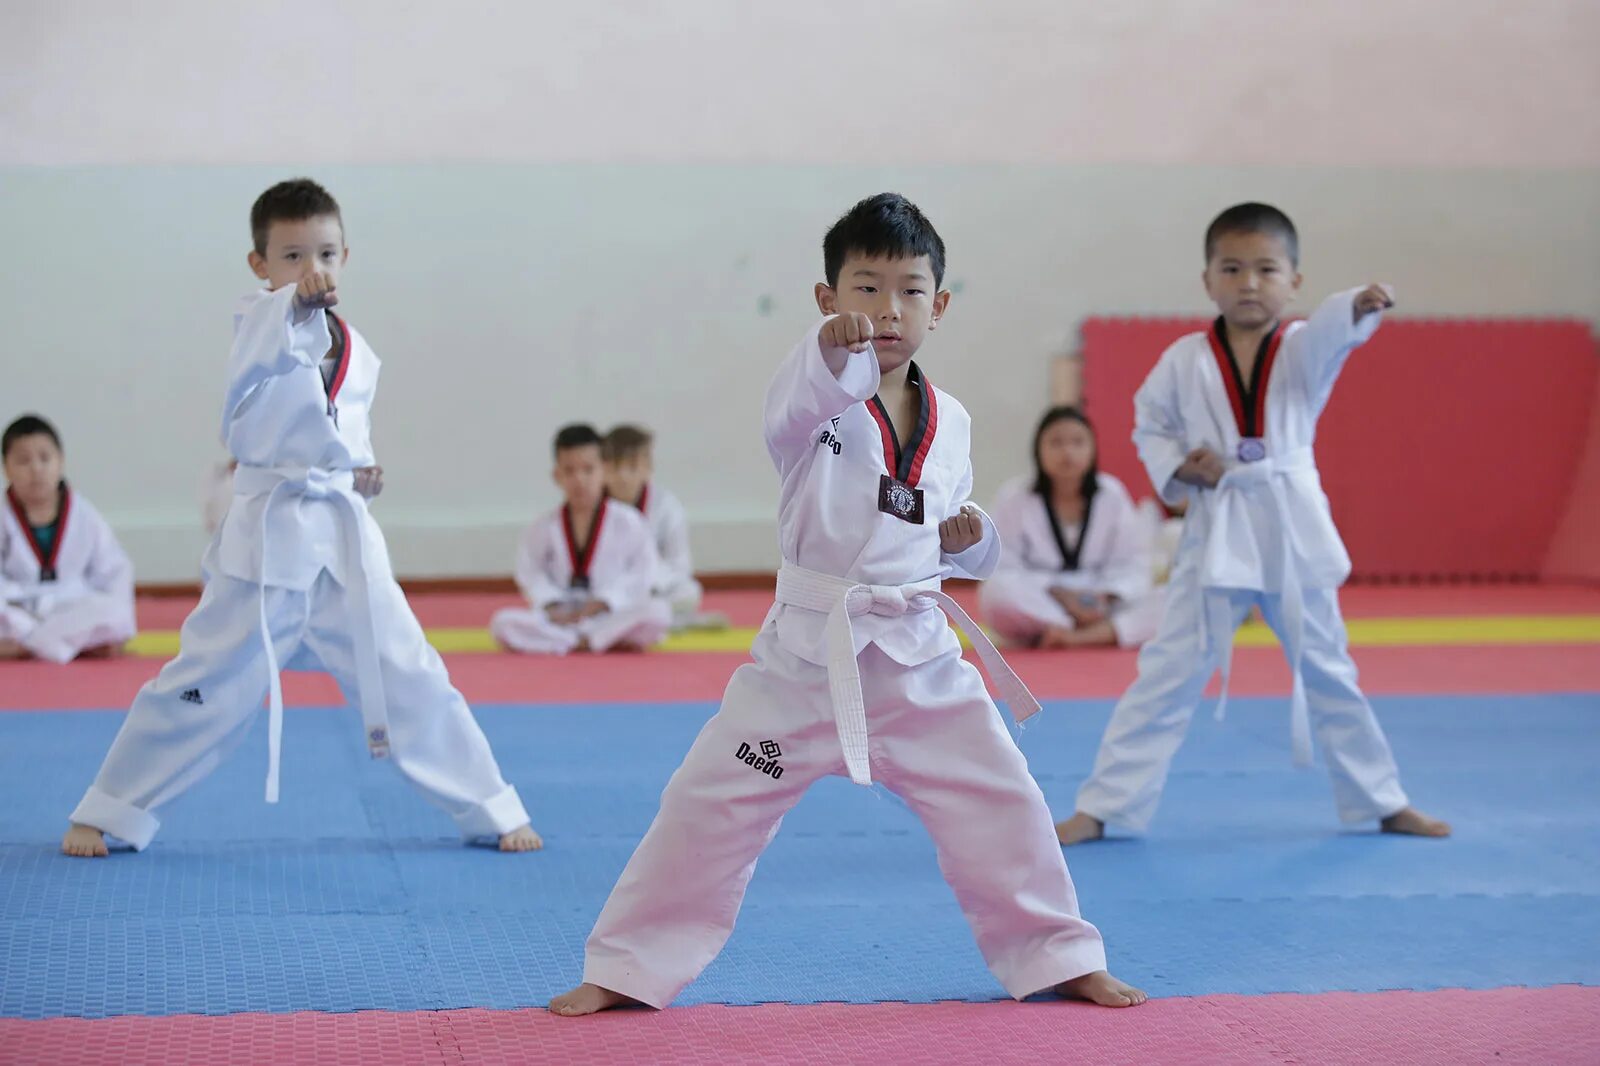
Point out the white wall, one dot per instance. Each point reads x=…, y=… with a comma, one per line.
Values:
x=557, y=213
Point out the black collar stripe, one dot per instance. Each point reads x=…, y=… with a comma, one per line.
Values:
x=47, y=563
x=906, y=463
x=1249, y=402
x=1070, y=556
x=582, y=555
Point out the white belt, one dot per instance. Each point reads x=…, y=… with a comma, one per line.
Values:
x=337, y=486
x=841, y=599
x=1268, y=475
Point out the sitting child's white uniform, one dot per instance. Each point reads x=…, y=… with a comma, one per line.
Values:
x=75, y=596
x=1109, y=553
x=669, y=525
x=617, y=567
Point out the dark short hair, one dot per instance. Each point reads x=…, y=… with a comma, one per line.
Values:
x=578, y=435
x=1254, y=218
x=886, y=225
x=290, y=201
x=625, y=442
x=1091, y=477
x=28, y=426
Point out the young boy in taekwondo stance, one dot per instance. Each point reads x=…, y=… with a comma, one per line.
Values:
x=299, y=573
x=1226, y=421
x=66, y=585
x=856, y=671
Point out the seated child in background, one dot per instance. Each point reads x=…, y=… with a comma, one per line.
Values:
x=1077, y=569
x=586, y=567
x=630, y=466
x=66, y=585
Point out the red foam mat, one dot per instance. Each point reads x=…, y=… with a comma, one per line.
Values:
x=1094, y=674
x=1507, y=1026
x=665, y=678
x=747, y=607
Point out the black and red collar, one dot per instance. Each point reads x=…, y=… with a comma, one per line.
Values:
x=906, y=463
x=1249, y=401
x=582, y=555
x=341, y=340
x=47, y=561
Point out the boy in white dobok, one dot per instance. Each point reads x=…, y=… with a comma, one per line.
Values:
x=856, y=671
x=586, y=568
x=299, y=575
x=66, y=585
x=1226, y=421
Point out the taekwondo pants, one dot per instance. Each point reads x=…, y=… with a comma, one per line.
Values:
x=1019, y=607
x=936, y=739
x=531, y=631
x=200, y=707
x=67, y=629
x=1152, y=717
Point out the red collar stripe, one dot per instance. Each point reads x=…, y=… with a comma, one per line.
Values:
x=907, y=469
x=47, y=564
x=1255, y=425
x=1267, y=362
x=891, y=451
x=582, y=557
x=344, y=359
x=926, y=444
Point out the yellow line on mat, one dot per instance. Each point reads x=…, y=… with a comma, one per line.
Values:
x=1364, y=632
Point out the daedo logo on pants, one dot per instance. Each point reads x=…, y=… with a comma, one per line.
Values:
x=766, y=760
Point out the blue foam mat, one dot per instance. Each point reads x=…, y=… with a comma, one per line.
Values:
x=354, y=894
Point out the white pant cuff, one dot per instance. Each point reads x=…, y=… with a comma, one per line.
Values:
x=1376, y=811
x=1054, y=965
x=115, y=817
x=625, y=980
x=495, y=816
x=1109, y=817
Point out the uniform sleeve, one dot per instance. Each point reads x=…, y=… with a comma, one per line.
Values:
x=631, y=586
x=812, y=386
x=533, y=573
x=1158, y=432
x=1317, y=350
x=980, y=560
x=1006, y=513
x=268, y=342
x=11, y=591
x=676, y=564
x=110, y=571
x=1126, y=571
x=216, y=496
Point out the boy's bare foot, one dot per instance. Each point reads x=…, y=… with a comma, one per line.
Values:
x=1055, y=637
x=524, y=839
x=589, y=999
x=1095, y=634
x=13, y=649
x=1080, y=829
x=101, y=651
x=84, y=842
x=1100, y=987
x=1413, y=822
